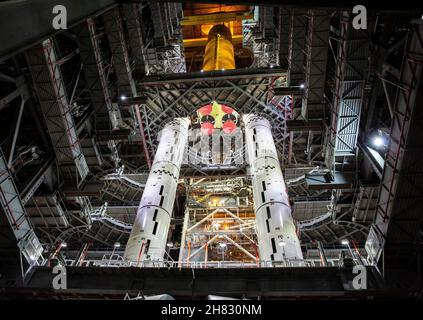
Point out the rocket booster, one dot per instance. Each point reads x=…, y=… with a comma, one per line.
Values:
x=276, y=232
x=148, y=237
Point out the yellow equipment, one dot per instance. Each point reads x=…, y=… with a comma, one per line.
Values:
x=219, y=53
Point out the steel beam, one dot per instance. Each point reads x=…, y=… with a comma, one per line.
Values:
x=11, y=206
x=107, y=116
x=213, y=76
x=215, y=18
x=350, y=76
x=316, y=51
x=51, y=91
x=400, y=203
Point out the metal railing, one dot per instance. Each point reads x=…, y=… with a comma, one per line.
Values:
x=117, y=261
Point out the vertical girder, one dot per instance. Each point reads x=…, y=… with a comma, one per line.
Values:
x=51, y=91
x=11, y=206
x=351, y=72
x=132, y=13
x=400, y=203
x=283, y=36
x=297, y=36
x=118, y=46
x=107, y=116
x=316, y=50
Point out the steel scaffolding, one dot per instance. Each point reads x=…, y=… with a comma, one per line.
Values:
x=51, y=91
x=12, y=207
x=352, y=67
x=316, y=49
x=107, y=115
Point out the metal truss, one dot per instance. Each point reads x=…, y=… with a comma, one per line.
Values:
x=119, y=49
x=259, y=37
x=164, y=53
x=350, y=78
x=96, y=71
x=132, y=14
x=51, y=91
x=12, y=207
x=316, y=49
x=248, y=94
x=297, y=35
x=283, y=35
x=218, y=219
x=400, y=202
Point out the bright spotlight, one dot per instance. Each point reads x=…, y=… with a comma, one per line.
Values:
x=122, y=97
x=378, y=141
x=201, y=70
x=117, y=245
x=302, y=85
x=170, y=244
x=63, y=244
x=222, y=245
x=344, y=242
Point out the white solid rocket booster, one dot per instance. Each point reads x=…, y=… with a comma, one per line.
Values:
x=149, y=233
x=276, y=233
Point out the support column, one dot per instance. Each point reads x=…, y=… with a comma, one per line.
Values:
x=149, y=233
x=276, y=232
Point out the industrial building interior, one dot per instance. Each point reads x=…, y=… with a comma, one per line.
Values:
x=196, y=150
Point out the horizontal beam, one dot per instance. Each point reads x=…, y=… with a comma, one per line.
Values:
x=213, y=76
x=288, y=91
x=187, y=282
x=302, y=126
x=215, y=18
x=201, y=42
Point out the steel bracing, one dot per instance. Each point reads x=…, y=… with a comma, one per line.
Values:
x=352, y=67
x=296, y=44
x=13, y=209
x=316, y=49
x=51, y=91
x=96, y=70
x=248, y=93
x=400, y=202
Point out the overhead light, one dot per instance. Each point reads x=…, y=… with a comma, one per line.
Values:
x=222, y=245
x=32, y=257
x=223, y=69
x=170, y=244
x=302, y=85
x=63, y=244
x=117, y=245
x=201, y=70
x=271, y=65
x=122, y=97
x=378, y=141
x=282, y=243
x=344, y=242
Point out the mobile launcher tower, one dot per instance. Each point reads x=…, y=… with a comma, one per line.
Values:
x=277, y=238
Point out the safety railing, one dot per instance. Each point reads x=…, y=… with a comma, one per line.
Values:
x=117, y=261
